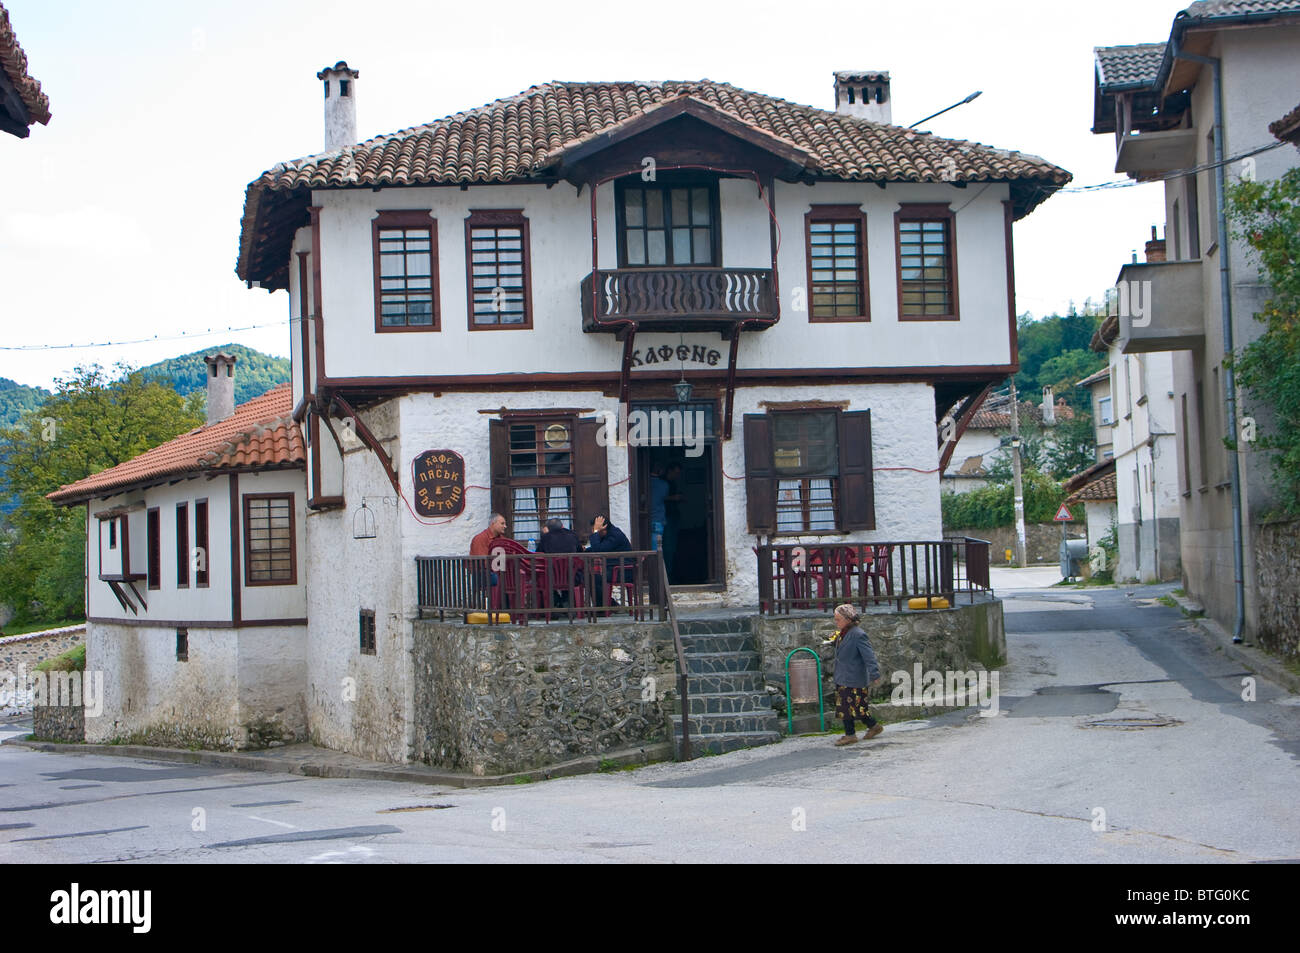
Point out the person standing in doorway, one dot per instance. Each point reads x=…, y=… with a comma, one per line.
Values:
x=856, y=671
x=658, y=507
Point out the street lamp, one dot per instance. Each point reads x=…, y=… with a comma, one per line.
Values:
x=974, y=95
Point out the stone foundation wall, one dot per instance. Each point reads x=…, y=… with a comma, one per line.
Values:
x=1042, y=541
x=497, y=699
x=964, y=638
x=33, y=648
x=59, y=723
x=1277, y=589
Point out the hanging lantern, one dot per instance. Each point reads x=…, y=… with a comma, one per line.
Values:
x=363, y=523
x=683, y=389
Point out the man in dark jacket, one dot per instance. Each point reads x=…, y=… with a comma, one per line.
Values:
x=557, y=539
x=608, y=538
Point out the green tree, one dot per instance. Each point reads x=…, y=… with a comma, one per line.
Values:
x=89, y=424
x=1064, y=371
x=1074, y=446
x=1266, y=214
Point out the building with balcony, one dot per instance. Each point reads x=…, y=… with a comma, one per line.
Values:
x=1159, y=101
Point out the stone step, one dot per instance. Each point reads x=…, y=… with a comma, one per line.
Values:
x=733, y=741
x=722, y=683
x=712, y=644
x=723, y=724
x=738, y=625
x=730, y=703
x=721, y=663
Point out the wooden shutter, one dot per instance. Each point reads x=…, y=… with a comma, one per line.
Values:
x=499, y=445
x=760, y=478
x=153, y=542
x=590, y=474
x=856, y=496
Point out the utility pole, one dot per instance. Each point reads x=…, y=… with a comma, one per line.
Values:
x=1017, y=484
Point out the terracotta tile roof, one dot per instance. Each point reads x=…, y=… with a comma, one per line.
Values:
x=1101, y=375
x=999, y=417
x=526, y=135
x=1217, y=9
x=13, y=63
x=1288, y=127
x=1084, y=477
x=1127, y=66
x=259, y=435
x=1100, y=490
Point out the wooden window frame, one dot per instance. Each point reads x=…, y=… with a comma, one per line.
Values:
x=183, y=545
x=367, y=631
x=928, y=212
x=493, y=218
x=543, y=480
x=666, y=183
x=153, y=547
x=202, y=540
x=406, y=218
x=293, y=540
x=820, y=214
x=182, y=644
x=804, y=481
x=112, y=532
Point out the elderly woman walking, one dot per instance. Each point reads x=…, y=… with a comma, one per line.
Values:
x=855, y=672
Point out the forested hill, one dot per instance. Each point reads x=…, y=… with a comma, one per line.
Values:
x=16, y=399
x=255, y=372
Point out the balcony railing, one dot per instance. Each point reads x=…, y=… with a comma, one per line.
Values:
x=794, y=577
x=541, y=587
x=703, y=299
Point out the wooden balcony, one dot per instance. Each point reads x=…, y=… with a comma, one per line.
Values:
x=678, y=299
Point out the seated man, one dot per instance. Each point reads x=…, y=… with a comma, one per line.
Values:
x=481, y=543
x=557, y=539
x=607, y=538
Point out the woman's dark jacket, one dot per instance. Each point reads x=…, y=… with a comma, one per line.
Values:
x=855, y=660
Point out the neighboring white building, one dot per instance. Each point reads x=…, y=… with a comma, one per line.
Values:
x=985, y=441
x=196, y=601
x=498, y=285
x=1103, y=412
x=1159, y=99
x=1094, y=491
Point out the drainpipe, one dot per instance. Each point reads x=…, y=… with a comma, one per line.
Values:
x=1225, y=291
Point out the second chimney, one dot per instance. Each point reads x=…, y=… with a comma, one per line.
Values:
x=340, y=105
x=221, y=386
x=863, y=94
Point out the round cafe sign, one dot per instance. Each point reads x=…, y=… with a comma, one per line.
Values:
x=439, y=483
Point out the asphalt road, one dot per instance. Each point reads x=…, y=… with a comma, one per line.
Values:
x=1122, y=737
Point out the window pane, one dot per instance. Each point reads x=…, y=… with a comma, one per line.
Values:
x=635, y=247
x=634, y=207
x=681, y=207
x=700, y=211
x=656, y=251
x=654, y=208
x=681, y=245
x=703, y=246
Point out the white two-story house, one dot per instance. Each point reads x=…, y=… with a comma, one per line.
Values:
x=813, y=290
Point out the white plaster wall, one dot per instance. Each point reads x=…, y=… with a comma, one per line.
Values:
x=559, y=222
x=1097, y=519
x=360, y=703
x=973, y=443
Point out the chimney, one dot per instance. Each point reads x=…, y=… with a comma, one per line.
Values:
x=1155, y=249
x=340, y=105
x=221, y=386
x=1049, y=407
x=863, y=94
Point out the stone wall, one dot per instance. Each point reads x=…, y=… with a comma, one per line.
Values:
x=964, y=638
x=33, y=648
x=59, y=723
x=1042, y=541
x=497, y=699
x=1277, y=562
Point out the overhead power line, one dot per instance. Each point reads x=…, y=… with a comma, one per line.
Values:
x=157, y=337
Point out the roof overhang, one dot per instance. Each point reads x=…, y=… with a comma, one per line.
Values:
x=1148, y=155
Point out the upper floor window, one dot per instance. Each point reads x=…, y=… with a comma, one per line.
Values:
x=497, y=261
x=1105, y=411
x=927, y=263
x=837, y=263
x=270, y=557
x=406, y=270
x=667, y=224
x=153, y=544
x=182, y=545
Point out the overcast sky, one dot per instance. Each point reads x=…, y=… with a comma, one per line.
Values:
x=120, y=220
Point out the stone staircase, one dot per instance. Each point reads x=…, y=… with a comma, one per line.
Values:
x=728, y=700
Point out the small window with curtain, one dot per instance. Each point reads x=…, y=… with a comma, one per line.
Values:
x=927, y=263
x=837, y=272
x=497, y=261
x=805, y=460
x=269, y=552
x=405, y=247
x=541, y=475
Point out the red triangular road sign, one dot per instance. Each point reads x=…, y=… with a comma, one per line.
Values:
x=1063, y=515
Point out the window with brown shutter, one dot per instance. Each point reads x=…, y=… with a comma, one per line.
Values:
x=808, y=472
x=927, y=262
x=547, y=467
x=153, y=544
x=182, y=545
x=269, y=552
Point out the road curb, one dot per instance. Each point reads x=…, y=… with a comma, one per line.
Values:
x=323, y=766
x=1248, y=654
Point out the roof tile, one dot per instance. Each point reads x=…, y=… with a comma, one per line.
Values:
x=13, y=62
